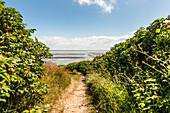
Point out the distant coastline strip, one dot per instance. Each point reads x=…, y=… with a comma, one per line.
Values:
x=67, y=57
x=68, y=53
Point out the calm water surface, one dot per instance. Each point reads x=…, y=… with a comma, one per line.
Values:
x=64, y=57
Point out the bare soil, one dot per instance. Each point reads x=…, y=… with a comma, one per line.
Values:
x=74, y=99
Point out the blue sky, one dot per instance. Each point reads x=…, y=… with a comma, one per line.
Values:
x=88, y=24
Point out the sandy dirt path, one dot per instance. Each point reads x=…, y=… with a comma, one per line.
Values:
x=74, y=99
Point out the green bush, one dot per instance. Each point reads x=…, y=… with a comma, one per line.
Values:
x=109, y=96
x=20, y=63
x=142, y=64
x=82, y=66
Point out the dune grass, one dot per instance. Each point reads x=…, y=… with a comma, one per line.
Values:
x=58, y=79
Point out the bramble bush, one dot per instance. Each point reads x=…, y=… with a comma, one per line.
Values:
x=82, y=66
x=142, y=64
x=21, y=64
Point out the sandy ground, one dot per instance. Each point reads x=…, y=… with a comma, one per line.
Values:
x=74, y=99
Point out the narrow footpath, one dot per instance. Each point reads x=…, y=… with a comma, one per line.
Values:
x=74, y=99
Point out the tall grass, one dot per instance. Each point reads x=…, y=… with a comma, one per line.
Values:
x=108, y=96
x=58, y=79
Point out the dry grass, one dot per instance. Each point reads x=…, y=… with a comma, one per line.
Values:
x=58, y=79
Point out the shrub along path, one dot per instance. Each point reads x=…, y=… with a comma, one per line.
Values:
x=74, y=99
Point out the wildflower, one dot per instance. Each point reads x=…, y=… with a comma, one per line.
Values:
x=154, y=56
x=90, y=65
x=163, y=69
x=105, y=69
x=113, y=50
x=142, y=87
x=133, y=49
x=162, y=75
x=143, y=62
x=129, y=42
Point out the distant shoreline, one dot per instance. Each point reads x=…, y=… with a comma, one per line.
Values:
x=64, y=57
x=79, y=50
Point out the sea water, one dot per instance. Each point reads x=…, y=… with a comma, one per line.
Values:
x=64, y=57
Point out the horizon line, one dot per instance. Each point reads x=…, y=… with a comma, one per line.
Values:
x=76, y=50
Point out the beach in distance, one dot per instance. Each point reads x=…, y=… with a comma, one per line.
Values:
x=64, y=57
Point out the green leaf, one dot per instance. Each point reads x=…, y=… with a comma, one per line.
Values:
x=141, y=104
x=158, y=30
x=2, y=100
x=25, y=111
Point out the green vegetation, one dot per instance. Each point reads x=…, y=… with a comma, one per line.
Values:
x=142, y=67
x=21, y=65
x=108, y=96
x=134, y=76
x=82, y=66
x=75, y=75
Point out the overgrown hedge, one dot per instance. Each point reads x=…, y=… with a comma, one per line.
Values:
x=82, y=66
x=21, y=64
x=142, y=64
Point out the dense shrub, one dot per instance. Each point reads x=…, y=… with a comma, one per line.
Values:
x=21, y=64
x=82, y=66
x=142, y=64
x=108, y=96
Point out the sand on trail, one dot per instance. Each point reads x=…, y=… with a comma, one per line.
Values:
x=74, y=99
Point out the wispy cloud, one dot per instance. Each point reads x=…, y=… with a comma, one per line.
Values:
x=106, y=5
x=88, y=43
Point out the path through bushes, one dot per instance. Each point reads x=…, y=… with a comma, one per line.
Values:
x=74, y=99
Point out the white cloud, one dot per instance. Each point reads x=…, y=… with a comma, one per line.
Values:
x=106, y=5
x=88, y=43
